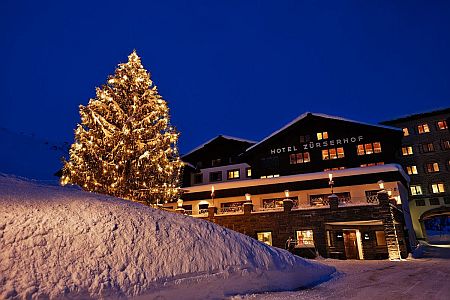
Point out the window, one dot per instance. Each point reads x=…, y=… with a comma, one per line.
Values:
x=423, y=128
x=411, y=170
x=270, y=176
x=408, y=150
x=446, y=145
x=447, y=200
x=416, y=190
x=248, y=172
x=434, y=201
x=304, y=138
x=442, y=125
x=432, y=167
x=405, y=131
x=198, y=165
x=215, y=176
x=277, y=203
x=299, y=158
x=198, y=178
x=333, y=169
x=305, y=238
x=381, y=238
x=420, y=202
x=427, y=147
x=322, y=135
x=369, y=148
x=233, y=174
x=437, y=188
x=265, y=237
x=332, y=153
x=216, y=162
x=372, y=164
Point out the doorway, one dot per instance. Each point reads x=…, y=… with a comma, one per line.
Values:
x=351, y=244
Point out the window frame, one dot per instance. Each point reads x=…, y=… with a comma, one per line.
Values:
x=216, y=172
x=417, y=190
x=233, y=171
x=423, y=128
x=270, y=243
x=407, y=152
x=444, y=123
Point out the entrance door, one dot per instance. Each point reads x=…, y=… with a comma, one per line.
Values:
x=350, y=244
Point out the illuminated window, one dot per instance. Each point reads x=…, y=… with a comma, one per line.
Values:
x=322, y=135
x=265, y=237
x=248, y=172
x=411, y=170
x=372, y=164
x=334, y=169
x=305, y=238
x=233, y=174
x=432, y=167
x=332, y=153
x=423, y=128
x=369, y=148
x=441, y=125
x=408, y=150
x=437, y=188
x=405, y=131
x=416, y=190
x=299, y=158
x=381, y=238
x=427, y=147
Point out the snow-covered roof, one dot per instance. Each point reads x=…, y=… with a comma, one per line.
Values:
x=421, y=114
x=304, y=115
x=214, y=138
x=300, y=177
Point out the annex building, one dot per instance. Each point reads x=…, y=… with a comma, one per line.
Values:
x=425, y=156
x=319, y=185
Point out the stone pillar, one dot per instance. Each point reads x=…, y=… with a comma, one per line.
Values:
x=287, y=205
x=248, y=208
x=179, y=210
x=389, y=226
x=333, y=200
x=212, y=210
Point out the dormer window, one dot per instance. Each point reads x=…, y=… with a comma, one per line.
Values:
x=423, y=128
x=216, y=162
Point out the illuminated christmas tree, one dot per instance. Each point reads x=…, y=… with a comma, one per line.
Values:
x=125, y=145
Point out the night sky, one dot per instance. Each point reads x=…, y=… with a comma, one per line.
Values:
x=240, y=68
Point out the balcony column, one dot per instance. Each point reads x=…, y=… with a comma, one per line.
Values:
x=333, y=200
x=212, y=210
x=389, y=225
x=248, y=208
x=287, y=205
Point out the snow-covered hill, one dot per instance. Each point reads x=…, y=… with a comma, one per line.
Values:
x=62, y=242
x=31, y=157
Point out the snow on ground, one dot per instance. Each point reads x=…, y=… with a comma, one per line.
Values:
x=412, y=279
x=62, y=242
x=29, y=156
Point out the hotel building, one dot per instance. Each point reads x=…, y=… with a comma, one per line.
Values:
x=321, y=185
x=425, y=156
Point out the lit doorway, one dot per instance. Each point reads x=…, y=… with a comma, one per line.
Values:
x=352, y=244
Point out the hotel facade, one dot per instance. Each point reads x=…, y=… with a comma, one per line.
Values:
x=425, y=156
x=321, y=185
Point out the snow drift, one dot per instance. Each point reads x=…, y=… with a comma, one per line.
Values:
x=65, y=243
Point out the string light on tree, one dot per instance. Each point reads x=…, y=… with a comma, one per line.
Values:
x=125, y=145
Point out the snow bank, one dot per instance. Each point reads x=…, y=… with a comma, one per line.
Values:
x=62, y=242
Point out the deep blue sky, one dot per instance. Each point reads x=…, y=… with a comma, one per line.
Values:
x=241, y=68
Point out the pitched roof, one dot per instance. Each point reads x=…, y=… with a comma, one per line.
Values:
x=306, y=114
x=215, y=138
x=418, y=115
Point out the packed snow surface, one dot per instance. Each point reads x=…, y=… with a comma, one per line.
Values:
x=65, y=243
